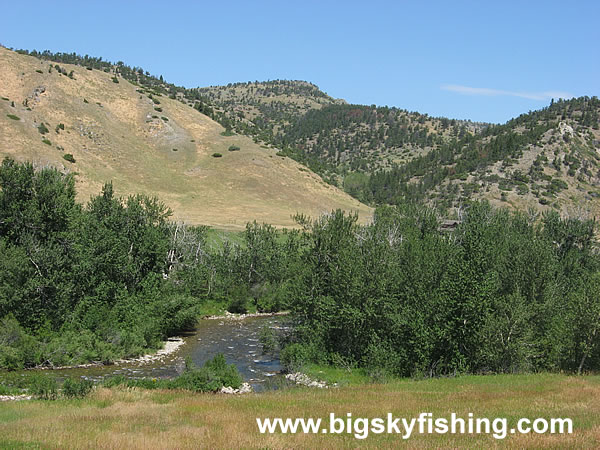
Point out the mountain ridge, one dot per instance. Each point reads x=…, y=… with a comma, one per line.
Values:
x=545, y=159
x=144, y=140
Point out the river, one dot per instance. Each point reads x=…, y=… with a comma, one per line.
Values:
x=238, y=340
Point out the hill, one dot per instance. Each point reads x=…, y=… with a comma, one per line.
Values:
x=546, y=159
x=89, y=119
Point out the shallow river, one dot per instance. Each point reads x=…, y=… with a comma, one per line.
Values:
x=238, y=340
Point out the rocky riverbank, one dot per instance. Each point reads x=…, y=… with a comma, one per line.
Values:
x=232, y=316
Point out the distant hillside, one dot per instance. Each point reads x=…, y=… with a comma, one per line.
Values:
x=145, y=136
x=543, y=159
x=263, y=108
x=379, y=155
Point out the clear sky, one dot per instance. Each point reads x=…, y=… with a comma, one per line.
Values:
x=479, y=60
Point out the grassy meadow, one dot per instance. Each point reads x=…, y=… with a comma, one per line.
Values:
x=119, y=418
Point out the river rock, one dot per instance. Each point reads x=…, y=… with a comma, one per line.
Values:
x=245, y=388
x=15, y=398
x=305, y=380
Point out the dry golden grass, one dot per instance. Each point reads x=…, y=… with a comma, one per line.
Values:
x=113, y=137
x=150, y=419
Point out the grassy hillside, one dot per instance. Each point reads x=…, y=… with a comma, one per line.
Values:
x=547, y=159
x=169, y=419
x=147, y=142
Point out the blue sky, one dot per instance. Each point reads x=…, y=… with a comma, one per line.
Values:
x=485, y=61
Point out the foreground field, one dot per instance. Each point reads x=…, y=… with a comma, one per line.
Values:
x=151, y=419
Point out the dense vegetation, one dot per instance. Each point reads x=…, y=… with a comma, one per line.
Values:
x=113, y=277
x=504, y=292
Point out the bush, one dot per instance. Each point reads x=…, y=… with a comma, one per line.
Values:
x=13, y=117
x=268, y=339
x=73, y=388
x=46, y=141
x=233, y=148
x=227, y=132
x=43, y=387
x=215, y=374
x=17, y=348
x=295, y=356
x=69, y=157
x=217, y=155
x=166, y=119
x=238, y=305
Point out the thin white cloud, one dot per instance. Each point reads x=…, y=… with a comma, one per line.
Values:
x=466, y=90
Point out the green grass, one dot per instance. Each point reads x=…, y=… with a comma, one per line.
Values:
x=216, y=238
x=137, y=418
x=336, y=375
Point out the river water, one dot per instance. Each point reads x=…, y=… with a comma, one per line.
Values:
x=238, y=340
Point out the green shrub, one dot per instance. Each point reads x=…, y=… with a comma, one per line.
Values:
x=10, y=358
x=215, y=374
x=43, y=128
x=43, y=387
x=268, y=339
x=217, y=155
x=69, y=157
x=166, y=119
x=13, y=117
x=233, y=148
x=85, y=101
x=39, y=71
x=73, y=388
x=17, y=348
x=46, y=141
x=227, y=132
x=238, y=305
x=295, y=356
x=115, y=79
x=157, y=109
